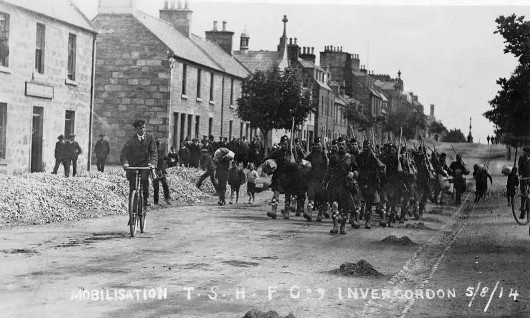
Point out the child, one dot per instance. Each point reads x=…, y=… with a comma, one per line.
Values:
x=511, y=184
x=252, y=177
x=236, y=177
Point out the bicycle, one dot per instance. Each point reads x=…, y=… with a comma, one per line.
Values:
x=521, y=204
x=137, y=208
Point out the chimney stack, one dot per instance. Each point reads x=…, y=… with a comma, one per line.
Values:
x=223, y=37
x=179, y=18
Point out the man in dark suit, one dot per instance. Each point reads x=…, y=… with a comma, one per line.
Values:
x=102, y=150
x=195, y=153
x=139, y=151
x=73, y=150
x=60, y=156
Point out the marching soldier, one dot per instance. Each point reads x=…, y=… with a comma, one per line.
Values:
x=316, y=193
x=279, y=178
x=369, y=180
x=341, y=185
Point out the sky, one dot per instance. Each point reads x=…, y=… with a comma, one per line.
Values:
x=447, y=51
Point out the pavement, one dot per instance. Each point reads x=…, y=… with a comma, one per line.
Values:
x=222, y=261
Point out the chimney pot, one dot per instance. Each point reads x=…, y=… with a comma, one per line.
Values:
x=166, y=4
x=179, y=4
x=312, y=50
x=215, y=25
x=186, y=5
x=290, y=41
x=295, y=40
x=224, y=25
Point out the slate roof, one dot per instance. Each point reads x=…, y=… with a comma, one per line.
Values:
x=180, y=44
x=62, y=10
x=220, y=56
x=385, y=85
x=258, y=60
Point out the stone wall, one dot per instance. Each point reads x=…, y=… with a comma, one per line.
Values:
x=219, y=109
x=132, y=81
x=74, y=96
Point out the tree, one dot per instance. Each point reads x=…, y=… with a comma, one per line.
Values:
x=272, y=99
x=437, y=127
x=410, y=122
x=511, y=106
x=354, y=114
x=454, y=135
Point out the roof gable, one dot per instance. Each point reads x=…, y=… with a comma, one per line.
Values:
x=61, y=10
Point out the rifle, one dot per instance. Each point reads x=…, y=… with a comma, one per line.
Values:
x=399, y=168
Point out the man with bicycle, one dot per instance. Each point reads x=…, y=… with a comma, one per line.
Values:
x=524, y=172
x=139, y=151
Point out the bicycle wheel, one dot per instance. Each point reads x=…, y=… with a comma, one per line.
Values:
x=141, y=215
x=517, y=208
x=133, y=208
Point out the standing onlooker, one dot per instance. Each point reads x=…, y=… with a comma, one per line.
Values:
x=60, y=156
x=73, y=151
x=481, y=176
x=161, y=176
x=236, y=177
x=252, y=178
x=172, y=157
x=184, y=155
x=195, y=153
x=488, y=139
x=243, y=151
x=102, y=150
x=221, y=174
x=511, y=184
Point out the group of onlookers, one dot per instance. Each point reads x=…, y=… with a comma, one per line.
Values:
x=66, y=153
x=189, y=154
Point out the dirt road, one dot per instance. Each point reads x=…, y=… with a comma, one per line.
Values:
x=211, y=261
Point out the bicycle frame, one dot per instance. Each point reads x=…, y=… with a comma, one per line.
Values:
x=137, y=208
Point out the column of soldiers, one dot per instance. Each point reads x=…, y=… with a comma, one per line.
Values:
x=350, y=183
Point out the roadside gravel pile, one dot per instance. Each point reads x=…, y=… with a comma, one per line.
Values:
x=254, y=313
x=360, y=269
x=44, y=197
x=418, y=226
x=392, y=239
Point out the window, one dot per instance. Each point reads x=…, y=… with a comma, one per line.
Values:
x=184, y=71
x=72, y=42
x=199, y=83
x=197, y=125
x=69, y=121
x=4, y=39
x=211, y=87
x=210, y=126
x=230, y=130
x=3, y=130
x=39, y=48
x=231, y=91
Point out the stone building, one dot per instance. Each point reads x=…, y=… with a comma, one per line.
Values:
x=359, y=83
x=183, y=85
x=46, y=75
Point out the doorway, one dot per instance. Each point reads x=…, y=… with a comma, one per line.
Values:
x=36, y=139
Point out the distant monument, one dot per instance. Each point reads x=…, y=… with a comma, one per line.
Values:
x=470, y=136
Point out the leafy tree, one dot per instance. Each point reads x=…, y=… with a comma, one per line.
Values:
x=272, y=99
x=437, y=127
x=511, y=106
x=410, y=122
x=354, y=114
x=454, y=135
